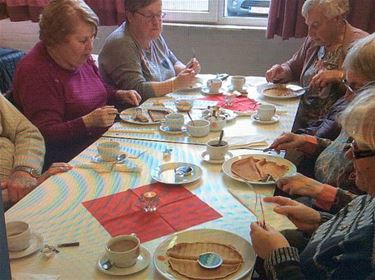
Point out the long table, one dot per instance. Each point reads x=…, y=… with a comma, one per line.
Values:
x=55, y=209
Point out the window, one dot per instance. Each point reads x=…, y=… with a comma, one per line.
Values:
x=240, y=12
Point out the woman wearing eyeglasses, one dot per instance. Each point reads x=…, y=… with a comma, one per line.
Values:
x=331, y=247
x=324, y=160
x=318, y=63
x=136, y=56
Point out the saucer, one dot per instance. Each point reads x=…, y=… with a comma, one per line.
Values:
x=274, y=119
x=206, y=158
x=207, y=91
x=98, y=159
x=243, y=91
x=167, y=130
x=142, y=262
x=36, y=244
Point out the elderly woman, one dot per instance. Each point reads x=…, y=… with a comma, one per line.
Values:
x=318, y=63
x=341, y=246
x=330, y=166
x=135, y=55
x=58, y=87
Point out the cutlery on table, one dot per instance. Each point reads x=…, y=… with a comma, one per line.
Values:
x=141, y=131
x=248, y=145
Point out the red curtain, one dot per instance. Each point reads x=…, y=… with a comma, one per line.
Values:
x=285, y=18
x=110, y=12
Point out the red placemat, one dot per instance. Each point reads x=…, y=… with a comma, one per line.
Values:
x=178, y=209
x=240, y=103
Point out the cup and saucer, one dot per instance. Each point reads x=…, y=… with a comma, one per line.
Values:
x=36, y=244
x=166, y=129
x=206, y=157
x=274, y=119
x=208, y=91
x=98, y=159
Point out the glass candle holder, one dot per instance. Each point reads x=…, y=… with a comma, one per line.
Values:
x=149, y=201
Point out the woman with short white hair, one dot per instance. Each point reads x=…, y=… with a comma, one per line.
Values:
x=318, y=63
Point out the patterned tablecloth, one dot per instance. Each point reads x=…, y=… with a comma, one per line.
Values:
x=55, y=209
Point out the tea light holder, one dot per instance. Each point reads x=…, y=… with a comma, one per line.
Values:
x=149, y=201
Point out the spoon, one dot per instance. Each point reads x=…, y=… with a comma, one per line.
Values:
x=192, y=122
x=221, y=137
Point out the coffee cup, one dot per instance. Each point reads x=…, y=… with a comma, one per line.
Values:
x=217, y=123
x=198, y=128
x=123, y=250
x=18, y=236
x=109, y=150
x=214, y=85
x=174, y=121
x=184, y=105
x=216, y=151
x=238, y=82
x=266, y=112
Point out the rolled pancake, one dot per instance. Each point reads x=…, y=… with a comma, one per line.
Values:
x=192, y=270
x=246, y=168
x=266, y=168
x=183, y=260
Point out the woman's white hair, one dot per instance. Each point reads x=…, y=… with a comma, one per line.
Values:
x=331, y=8
x=361, y=58
x=358, y=119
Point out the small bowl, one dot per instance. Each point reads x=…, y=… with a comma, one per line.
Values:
x=200, y=128
x=184, y=105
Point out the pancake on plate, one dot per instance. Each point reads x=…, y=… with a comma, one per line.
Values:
x=279, y=91
x=183, y=260
x=253, y=169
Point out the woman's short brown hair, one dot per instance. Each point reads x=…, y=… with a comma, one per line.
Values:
x=59, y=18
x=134, y=5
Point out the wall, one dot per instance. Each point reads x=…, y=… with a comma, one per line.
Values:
x=230, y=50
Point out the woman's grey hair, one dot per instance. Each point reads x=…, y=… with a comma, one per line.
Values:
x=134, y=5
x=361, y=58
x=331, y=8
x=59, y=18
x=358, y=118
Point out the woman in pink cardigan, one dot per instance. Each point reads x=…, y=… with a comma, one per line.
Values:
x=58, y=87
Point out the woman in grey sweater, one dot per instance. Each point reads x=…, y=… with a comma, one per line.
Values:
x=136, y=56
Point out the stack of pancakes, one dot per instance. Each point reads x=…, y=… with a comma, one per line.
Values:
x=183, y=260
x=279, y=91
x=253, y=169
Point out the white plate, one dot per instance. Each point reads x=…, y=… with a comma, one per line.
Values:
x=207, y=91
x=274, y=119
x=261, y=89
x=36, y=244
x=205, y=235
x=142, y=262
x=227, y=166
x=206, y=158
x=228, y=114
x=127, y=114
x=165, y=173
x=195, y=87
x=167, y=130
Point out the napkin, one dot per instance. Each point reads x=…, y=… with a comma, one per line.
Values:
x=245, y=141
x=240, y=103
x=107, y=167
x=32, y=276
x=178, y=209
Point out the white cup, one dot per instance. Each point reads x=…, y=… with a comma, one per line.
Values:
x=174, y=121
x=200, y=128
x=18, y=235
x=123, y=250
x=217, y=123
x=184, y=105
x=266, y=112
x=109, y=150
x=216, y=152
x=214, y=85
x=238, y=82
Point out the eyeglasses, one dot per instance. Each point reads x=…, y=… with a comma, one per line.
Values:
x=355, y=91
x=149, y=18
x=356, y=152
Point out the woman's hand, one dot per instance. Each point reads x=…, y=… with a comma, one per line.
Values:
x=300, y=185
x=194, y=65
x=100, y=117
x=184, y=79
x=276, y=73
x=292, y=141
x=19, y=184
x=265, y=240
x=55, y=168
x=128, y=96
x=325, y=77
x=303, y=217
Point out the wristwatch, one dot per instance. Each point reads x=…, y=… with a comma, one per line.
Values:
x=32, y=171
